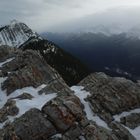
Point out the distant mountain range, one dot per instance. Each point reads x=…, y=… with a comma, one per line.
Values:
x=37, y=104
x=19, y=35
x=117, y=55
x=112, y=21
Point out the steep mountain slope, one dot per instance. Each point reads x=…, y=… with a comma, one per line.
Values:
x=15, y=34
x=21, y=36
x=36, y=103
x=117, y=55
x=70, y=68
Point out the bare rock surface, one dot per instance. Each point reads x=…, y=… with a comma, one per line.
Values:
x=63, y=117
x=121, y=132
x=132, y=121
x=9, y=109
x=110, y=96
x=24, y=96
x=27, y=69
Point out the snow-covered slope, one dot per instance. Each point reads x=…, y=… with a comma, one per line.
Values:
x=15, y=34
x=83, y=94
x=24, y=105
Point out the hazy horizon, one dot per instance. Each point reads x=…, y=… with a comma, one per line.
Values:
x=51, y=15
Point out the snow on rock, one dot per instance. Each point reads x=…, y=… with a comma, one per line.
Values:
x=37, y=102
x=8, y=60
x=135, y=132
x=123, y=114
x=24, y=105
x=57, y=136
x=15, y=34
x=82, y=95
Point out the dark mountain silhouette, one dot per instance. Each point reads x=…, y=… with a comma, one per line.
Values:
x=117, y=55
x=69, y=67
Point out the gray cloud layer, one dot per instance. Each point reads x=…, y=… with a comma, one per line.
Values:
x=43, y=14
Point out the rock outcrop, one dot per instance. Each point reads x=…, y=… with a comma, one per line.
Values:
x=111, y=96
x=63, y=117
x=9, y=109
x=19, y=35
x=27, y=69
x=132, y=121
x=69, y=67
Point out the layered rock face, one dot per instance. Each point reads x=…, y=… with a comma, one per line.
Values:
x=15, y=34
x=115, y=100
x=27, y=69
x=111, y=96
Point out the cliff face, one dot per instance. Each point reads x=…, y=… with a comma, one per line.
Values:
x=15, y=34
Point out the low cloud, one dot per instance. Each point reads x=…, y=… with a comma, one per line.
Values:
x=43, y=14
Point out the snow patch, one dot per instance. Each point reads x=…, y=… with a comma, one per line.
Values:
x=82, y=95
x=57, y=136
x=24, y=105
x=135, y=132
x=37, y=102
x=123, y=114
x=8, y=60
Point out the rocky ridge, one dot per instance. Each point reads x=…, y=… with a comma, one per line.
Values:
x=70, y=68
x=19, y=35
x=37, y=104
x=114, y=99
x=27, y=80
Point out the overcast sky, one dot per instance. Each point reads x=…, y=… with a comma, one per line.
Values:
x=43, y=14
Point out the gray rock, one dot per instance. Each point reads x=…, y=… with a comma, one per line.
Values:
x=27, y=69
x=33, y=126
x=110, y=96
x=73, y=133
x=64, y=114
x=24, y=96
x=9, y=109
x=59, y=115
x=120, y=132
x=94, y=132
x=132, y=121
x=4, y=53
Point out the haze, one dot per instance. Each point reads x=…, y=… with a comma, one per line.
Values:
x=50, y=15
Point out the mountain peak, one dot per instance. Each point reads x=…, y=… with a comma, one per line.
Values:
x=15, y=34
x=14, y=21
